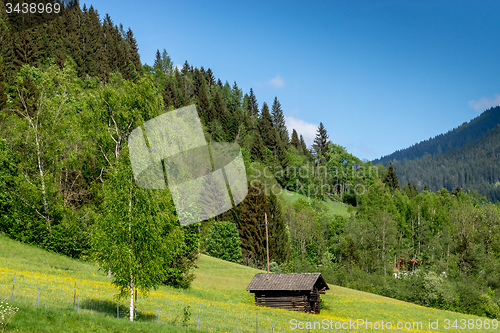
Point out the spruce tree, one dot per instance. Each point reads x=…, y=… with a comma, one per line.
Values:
x=250, y=217
x=257, y=151
x=303, y=144
x=295, y=142
x=456, y=191
x=166, y=63
x=218, y=106
x=391, y=179
x=203, y=105
x=253, y=106
x=3, y=87
x=266, y=129
x=180, y=89
x=236, y=98
x=278, y=236
x=25, y=50
x=134, y=50
x=279, y=121
x=219, y=111
x=170, y=96
x=209, y=76
x=157, y=63
x=320, y=144
x=186, y=68
x=93, y=42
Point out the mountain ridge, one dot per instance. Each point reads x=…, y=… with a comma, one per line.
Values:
x=458, y=137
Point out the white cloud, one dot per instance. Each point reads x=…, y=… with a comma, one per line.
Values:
x=485, y=103
x=179, y=67
x=276, y=82
x=307, y=130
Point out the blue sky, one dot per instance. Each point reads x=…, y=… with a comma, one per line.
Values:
x=380, y=75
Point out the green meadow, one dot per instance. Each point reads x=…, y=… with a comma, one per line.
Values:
x=45, y=293
x=333, y=207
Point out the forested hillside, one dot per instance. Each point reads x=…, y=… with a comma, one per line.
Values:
x=458, y=137
x=66, y=111
x=66, y=182
x=474, y=166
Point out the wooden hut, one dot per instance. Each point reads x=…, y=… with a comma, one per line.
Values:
x=293, y=291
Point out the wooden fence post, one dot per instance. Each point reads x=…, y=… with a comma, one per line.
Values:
x=12, y=297
x=256, y=323
x=135, y=305
x=74, y=297
x=199, y=310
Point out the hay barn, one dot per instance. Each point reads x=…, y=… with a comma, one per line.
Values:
x=293, y=291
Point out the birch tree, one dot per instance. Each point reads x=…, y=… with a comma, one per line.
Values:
x=40, y=111
x=136, y=236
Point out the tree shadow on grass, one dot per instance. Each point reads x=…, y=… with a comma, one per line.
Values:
x=110, y=308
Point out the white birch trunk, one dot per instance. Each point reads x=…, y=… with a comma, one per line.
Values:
x=131, y=310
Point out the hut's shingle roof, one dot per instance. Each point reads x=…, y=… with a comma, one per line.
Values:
x=290, y=281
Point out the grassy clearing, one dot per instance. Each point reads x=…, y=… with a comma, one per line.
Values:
x=32, y=319
x=218, y=290
x=334, y=207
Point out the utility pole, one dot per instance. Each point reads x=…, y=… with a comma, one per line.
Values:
x=267, y=241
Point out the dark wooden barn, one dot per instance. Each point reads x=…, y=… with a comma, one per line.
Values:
x=293, y=291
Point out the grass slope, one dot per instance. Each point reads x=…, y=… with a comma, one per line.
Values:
x=218, y=290
x=334, y=207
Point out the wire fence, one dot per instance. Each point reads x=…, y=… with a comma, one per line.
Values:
x=88, y=296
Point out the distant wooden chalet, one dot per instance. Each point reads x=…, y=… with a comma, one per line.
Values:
x=293, y=291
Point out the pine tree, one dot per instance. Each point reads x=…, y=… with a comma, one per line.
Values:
x=3, y=87
x=257, y=151
x=391, y=179
x=93, y=42
x=7, y=52
x=170, y=96
x=134, y=50
x=295, y=141
x=203, y=104
x=266, y=129
x=253, y=106
x=198, y=81
x=157, y=63
x=236, y=98
x=303, y=144
x=320, y=144
x=25, y=50
x=180, y=89
x=425, y=187
x=250, y=216
x=209, y=76
x=186, y=68
x=279, y=121
x=456, y=192
x=219, y=111
x=166, y=62
x=278, y=236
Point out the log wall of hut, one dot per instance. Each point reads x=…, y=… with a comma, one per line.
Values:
x=302, y=301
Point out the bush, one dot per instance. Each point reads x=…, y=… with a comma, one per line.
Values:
x=274, y=267
x=224, y=242
x=489, y=307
